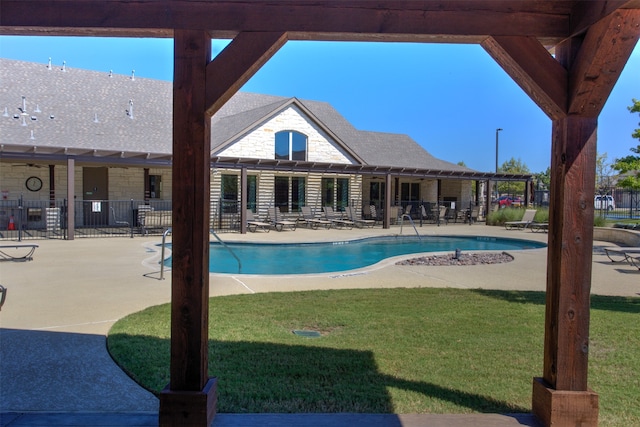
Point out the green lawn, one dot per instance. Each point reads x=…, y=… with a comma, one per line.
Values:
x=387, y=350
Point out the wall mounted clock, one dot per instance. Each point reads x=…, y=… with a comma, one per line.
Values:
x=33, y=183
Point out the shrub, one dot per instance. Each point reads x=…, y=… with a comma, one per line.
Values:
x=501, y=216
x=599, y=221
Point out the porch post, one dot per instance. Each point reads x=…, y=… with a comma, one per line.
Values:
x=561, y=396
x=190, y=397
x=387, y=202
x=243, y=200
x=71, y=205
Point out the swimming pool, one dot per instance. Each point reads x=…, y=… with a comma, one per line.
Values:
x=307, y=258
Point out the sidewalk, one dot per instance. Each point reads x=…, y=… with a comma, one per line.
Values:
x=59, y=308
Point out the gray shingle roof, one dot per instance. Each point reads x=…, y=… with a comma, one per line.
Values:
x=70, y=101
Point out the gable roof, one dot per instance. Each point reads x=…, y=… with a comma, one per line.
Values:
x=99, y=114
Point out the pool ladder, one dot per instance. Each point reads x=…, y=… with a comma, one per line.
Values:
x=412, y=224
x=164, y=240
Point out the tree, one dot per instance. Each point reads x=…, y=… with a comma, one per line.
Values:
x=543, y=179
x=516, y=167
x=629, y=166
x=604, y=172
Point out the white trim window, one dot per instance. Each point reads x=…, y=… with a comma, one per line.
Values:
x=291, y=145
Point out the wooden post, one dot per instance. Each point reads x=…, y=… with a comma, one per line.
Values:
x=561, y=396
x=71, y=204
x=190, y=397
x=386, y=223
x=243, y=200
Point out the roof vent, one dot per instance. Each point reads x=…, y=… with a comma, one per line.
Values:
x=37, y=110
x=6, y=112
x=52, y=117
x=64, y=66
x=32, y=137
x=34, y=118
x=133, y=75
x=49, y=64
x=95, y=118
x=110, y=73
x=23, y=110
x=130, y=110
x=24, y=121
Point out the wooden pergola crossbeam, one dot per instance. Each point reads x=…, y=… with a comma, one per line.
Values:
x=589, y=41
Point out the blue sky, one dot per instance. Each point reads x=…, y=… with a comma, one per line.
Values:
x=448, y=98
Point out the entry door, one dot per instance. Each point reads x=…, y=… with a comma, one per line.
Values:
x=95, y=192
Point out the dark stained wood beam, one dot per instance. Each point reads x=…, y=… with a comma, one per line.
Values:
x=237, y=63
x=351, y=19
x=587, y=13
x=189, y=398
x=603, y=54
x=532, y=67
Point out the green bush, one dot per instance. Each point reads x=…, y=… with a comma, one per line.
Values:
x=599, y=221
x=501, y=216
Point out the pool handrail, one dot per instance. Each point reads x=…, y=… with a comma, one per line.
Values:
x=164, y=238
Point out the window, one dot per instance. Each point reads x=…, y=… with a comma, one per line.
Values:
x=297, y=193
x=377, y=193
x=342, y=193
x=155, y=186
x=281, y=193
x=293, y=189
x=335, y=192
x=409, y=191
x=229, y=193
x=327, y=191
x=252, y=191
x=291, y=145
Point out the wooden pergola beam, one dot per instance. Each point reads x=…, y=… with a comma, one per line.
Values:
x=237, y=63
x=532, y=67
x=604, y=52
x=347, y=19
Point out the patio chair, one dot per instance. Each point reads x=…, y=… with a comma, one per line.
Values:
x=526, y=220
x=253, y=224
x=359, y=222
x=336, y=218
x=313, y=222
x=117, y=222
x=279, y=223
x=442, y=215
x=374, y=214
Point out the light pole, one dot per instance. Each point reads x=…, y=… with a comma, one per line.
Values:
x=497, y=131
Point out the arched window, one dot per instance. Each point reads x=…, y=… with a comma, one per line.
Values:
x=291, y=145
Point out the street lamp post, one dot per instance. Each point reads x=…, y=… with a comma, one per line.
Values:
x=497, y=130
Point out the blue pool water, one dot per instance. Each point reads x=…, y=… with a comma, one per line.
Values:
x=305, y=258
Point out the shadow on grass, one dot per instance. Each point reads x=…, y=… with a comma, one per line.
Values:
x=598, y=302
x=255, y=377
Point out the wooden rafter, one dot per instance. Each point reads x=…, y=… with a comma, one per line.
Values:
x=532, y=67
x=237, y=63
x=603, y=54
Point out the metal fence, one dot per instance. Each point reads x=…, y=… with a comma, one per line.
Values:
x=29, y=219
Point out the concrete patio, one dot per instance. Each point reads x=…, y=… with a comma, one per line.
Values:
x=55, y=369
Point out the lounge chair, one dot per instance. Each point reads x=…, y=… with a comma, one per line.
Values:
x=526, y=220
x=542, y=227
x=253, y=223
x=279, y=223
x=621, y=253
x=336, y=218
x=312, y=221
x=374, y=214
x=359, y=222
